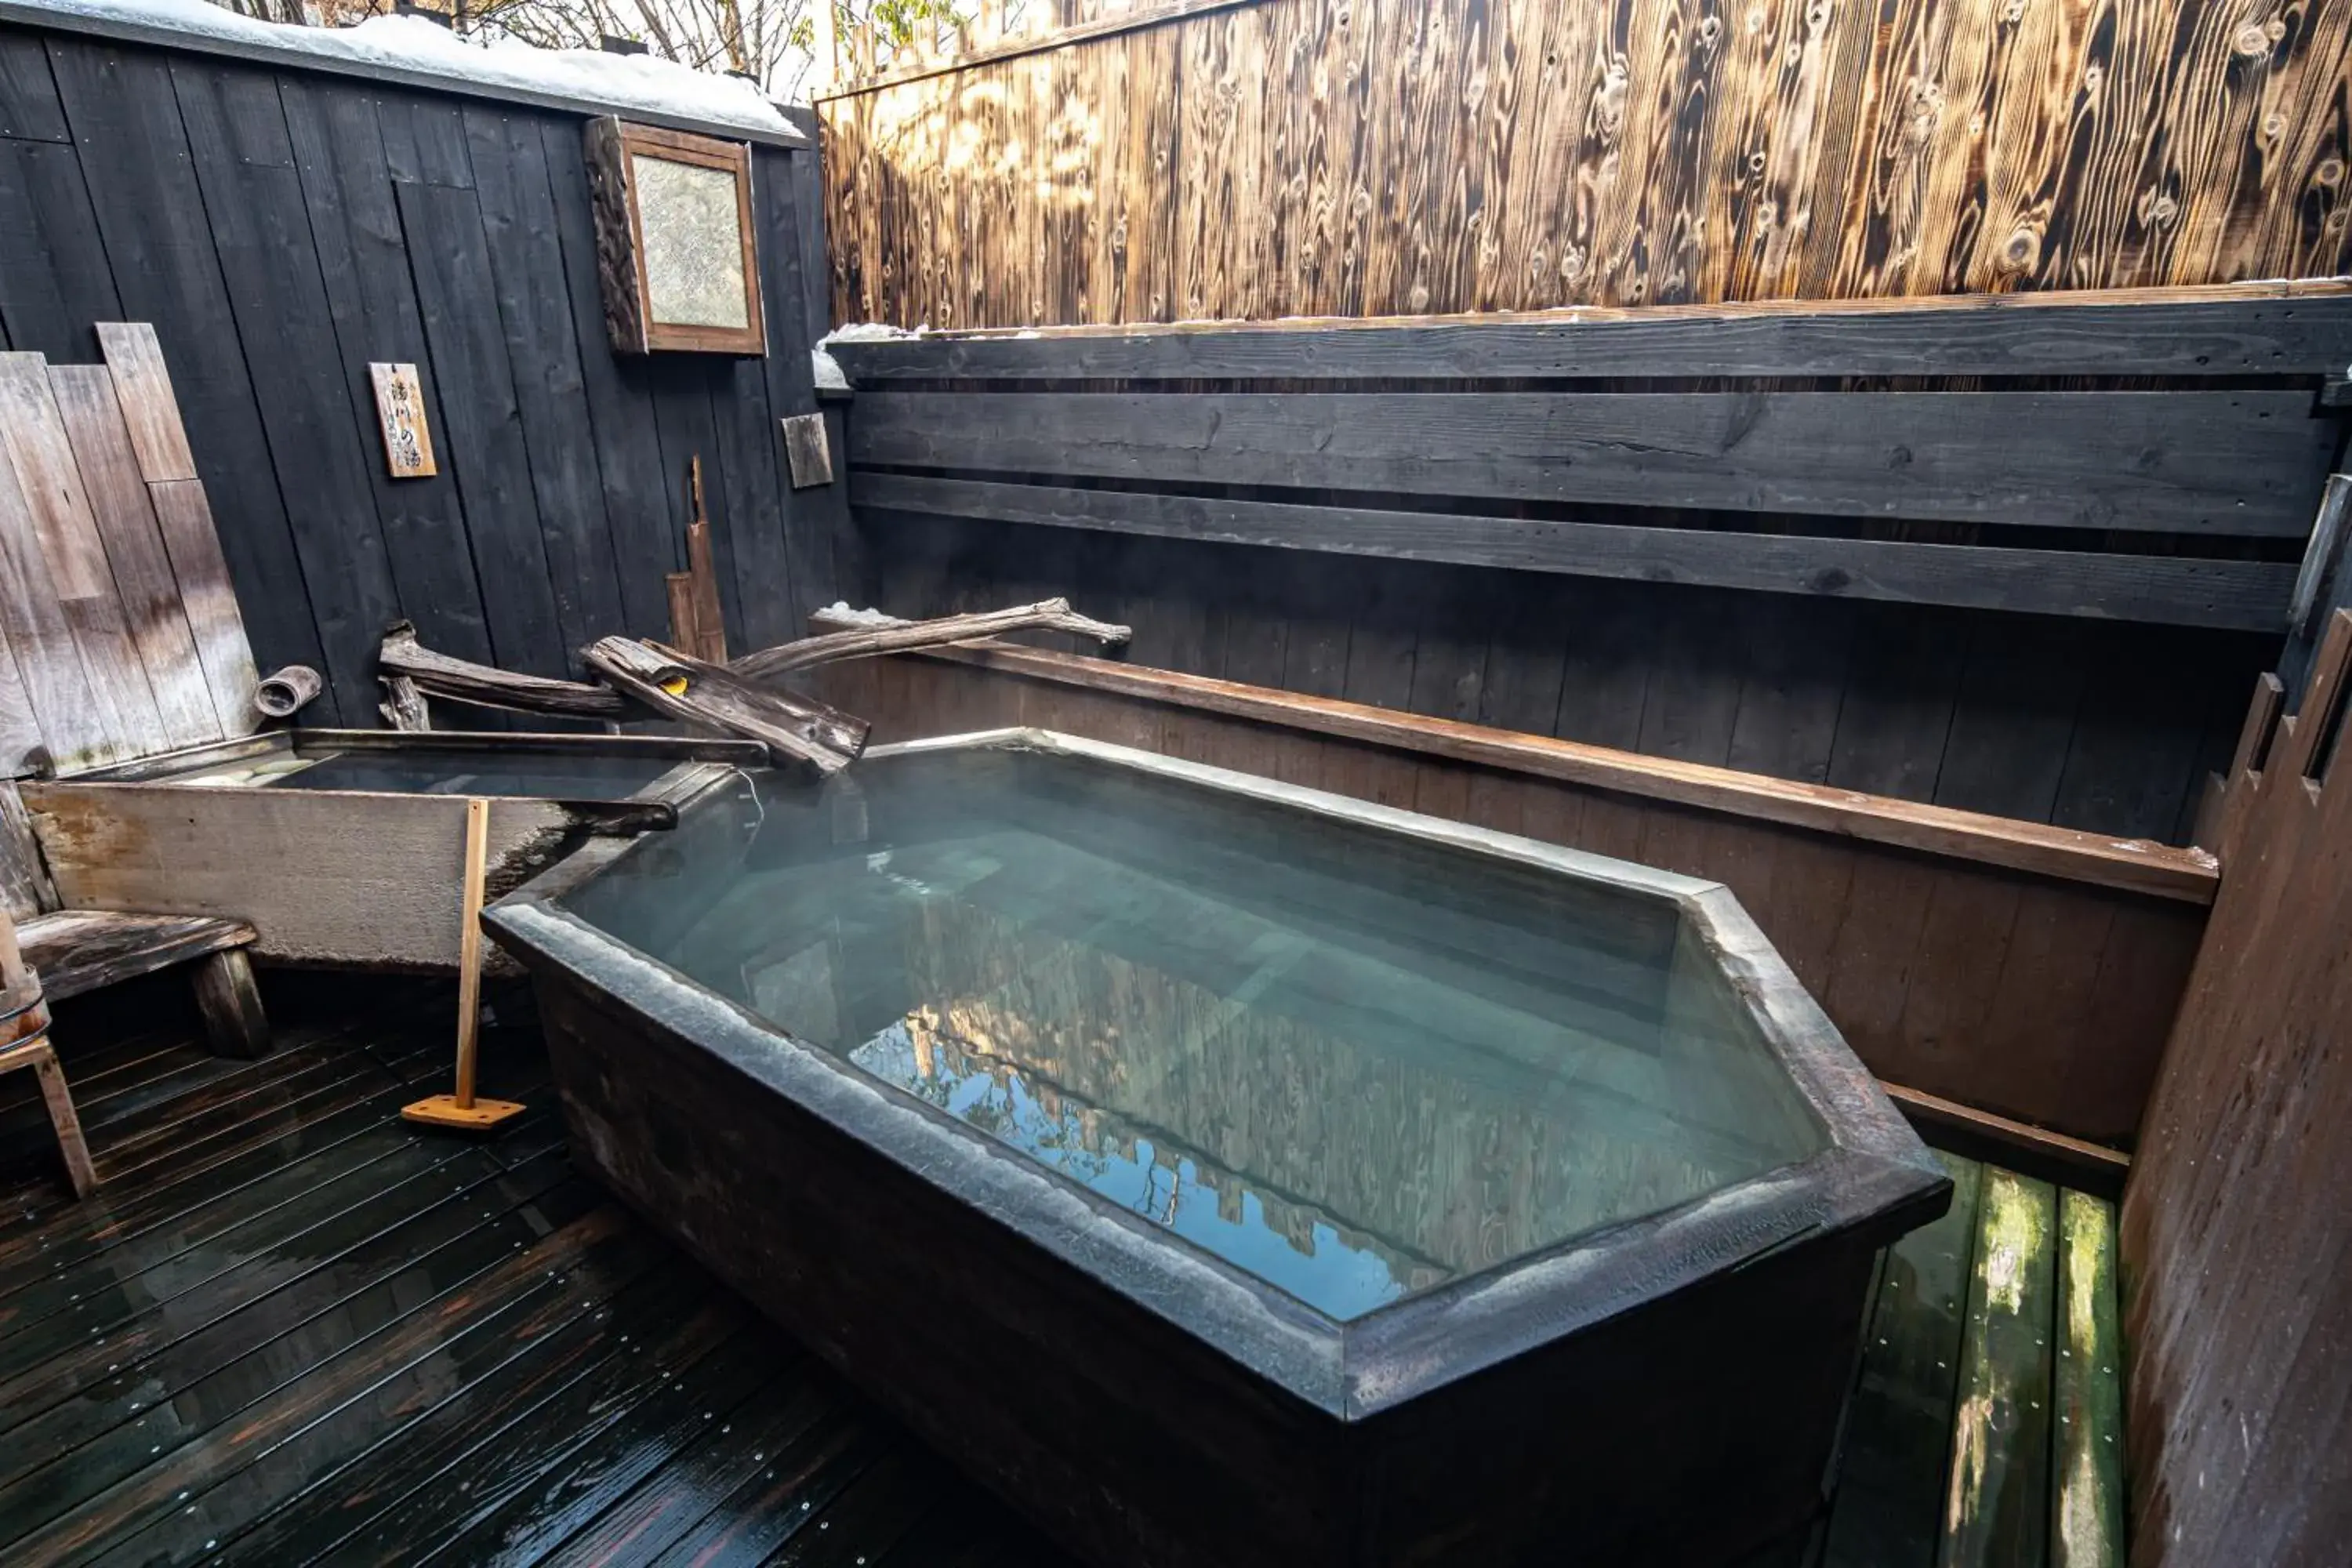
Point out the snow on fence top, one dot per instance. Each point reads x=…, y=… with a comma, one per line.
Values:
x=413, y=52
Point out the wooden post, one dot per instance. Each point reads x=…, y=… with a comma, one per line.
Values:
x=685, y=617
x=24, y=1043
x=709, y=622
x=462, y=1110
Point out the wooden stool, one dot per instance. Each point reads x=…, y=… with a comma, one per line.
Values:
x=24, y=1043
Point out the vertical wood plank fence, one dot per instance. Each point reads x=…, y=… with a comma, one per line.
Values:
x=282, y=229
x=1372, y=157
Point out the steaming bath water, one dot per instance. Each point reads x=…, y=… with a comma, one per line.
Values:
x=1349, y=1062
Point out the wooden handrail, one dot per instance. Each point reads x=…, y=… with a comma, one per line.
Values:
x=2134, y=865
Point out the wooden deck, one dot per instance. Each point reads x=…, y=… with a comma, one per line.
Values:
x=290, y=1328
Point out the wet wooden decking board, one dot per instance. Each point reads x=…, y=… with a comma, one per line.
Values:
x=292, y=1328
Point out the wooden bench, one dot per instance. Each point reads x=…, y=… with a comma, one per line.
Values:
x=79, y=951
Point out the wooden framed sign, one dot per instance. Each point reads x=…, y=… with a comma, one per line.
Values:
x=673, y=240
x=400, y=409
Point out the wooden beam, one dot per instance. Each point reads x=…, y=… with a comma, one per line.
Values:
x=2019, y=1145
x=899, y=637
x=794, y=728
x=461, y=680
x=2249, y=595
x=2300, y=329
x=2136, y=866
x=2234, y=463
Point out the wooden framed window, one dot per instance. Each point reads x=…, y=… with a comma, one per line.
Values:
x=675, y=244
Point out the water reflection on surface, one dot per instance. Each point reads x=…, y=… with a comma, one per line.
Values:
x=1353, y=1066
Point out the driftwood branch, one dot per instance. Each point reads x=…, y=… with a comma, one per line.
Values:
x=459, y=680
x=403, y=706
x=898, y=636
x=793, y=728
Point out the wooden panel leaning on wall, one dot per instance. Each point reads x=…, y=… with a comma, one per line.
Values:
x=1366, y=157
x=120, y=634
x=2010, y=968
x=2237, y=1240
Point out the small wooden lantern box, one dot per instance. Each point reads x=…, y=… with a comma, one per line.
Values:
x=673, y=240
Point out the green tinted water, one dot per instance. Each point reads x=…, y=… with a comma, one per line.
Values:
x=1351, y=1064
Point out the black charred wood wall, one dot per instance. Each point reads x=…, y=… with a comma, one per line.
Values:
x=2107, y=726
x=282, y=229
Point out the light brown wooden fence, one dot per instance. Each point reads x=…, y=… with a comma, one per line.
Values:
x=1360, y=157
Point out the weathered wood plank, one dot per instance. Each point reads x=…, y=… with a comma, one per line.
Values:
x=151, y=411
x=143, y=577
x=67, y=731
x=1899, y=1427
x=2205, y=462
x=2026, y=847
x=184, y=515
x=68, y=536
x=2184, y=590
x=2086, y=1504
x=287, y=863
x=2264, y=329
x=2095, y=1169
x=81, y=950
x=1998, y=1486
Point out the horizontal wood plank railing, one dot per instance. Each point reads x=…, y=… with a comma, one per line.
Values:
x=2282, y=327
x=1945, y=454
x=2170, y=462
x=2021, y=970
x=2183, y=589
